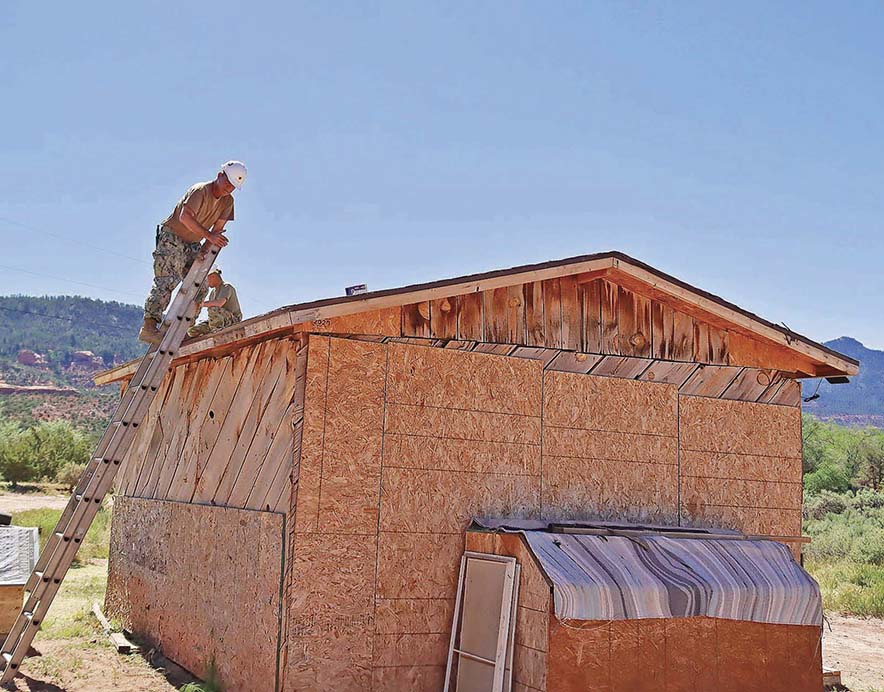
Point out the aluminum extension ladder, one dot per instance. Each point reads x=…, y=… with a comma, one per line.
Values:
x=98, y=477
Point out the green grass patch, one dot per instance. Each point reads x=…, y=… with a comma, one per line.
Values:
x=850, y=587
x=94, y=547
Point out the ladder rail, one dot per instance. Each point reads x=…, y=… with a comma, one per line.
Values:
x=98, y=477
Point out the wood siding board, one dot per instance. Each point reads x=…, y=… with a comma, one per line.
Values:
x=591, y=302
x=516, y=325
x=497, y=315
x=552, y=313
x=669, y=372
x=212, y=423
x=256, y=465
x=234, y=418
x=443, y=318
x=710, y=381
x=416, y=319
x=572, y=317
x=610, y=295
x=470, y=317
x=163, y=474
x=788, y=395
x=634, y=323
x=622, y=366
x=710, y=344
x=272, y=377
x=534, y=317
x=274, y=477
x=183, y=482
x=566, y=361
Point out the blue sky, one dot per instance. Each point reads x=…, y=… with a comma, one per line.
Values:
x=735, y=145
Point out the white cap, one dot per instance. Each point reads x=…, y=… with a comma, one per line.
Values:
x=236, y=173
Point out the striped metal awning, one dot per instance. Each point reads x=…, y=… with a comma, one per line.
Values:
x=644, y=574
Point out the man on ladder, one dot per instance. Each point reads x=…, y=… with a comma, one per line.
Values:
x=199, y=215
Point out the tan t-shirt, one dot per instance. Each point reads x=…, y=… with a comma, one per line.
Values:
x=200, y=200
x=227, y=293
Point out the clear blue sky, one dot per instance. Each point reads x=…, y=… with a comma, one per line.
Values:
x=739, y=146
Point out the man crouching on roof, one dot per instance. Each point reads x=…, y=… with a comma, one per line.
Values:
x=223, y=306
x=199, y=215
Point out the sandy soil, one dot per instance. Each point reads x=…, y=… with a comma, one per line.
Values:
x=20, y=502
x=855, y=647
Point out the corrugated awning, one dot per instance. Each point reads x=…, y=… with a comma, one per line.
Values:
x=619, y=577
x=19, y=547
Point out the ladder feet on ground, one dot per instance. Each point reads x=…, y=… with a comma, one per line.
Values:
x=97, y=479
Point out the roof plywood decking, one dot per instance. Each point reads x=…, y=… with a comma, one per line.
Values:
x=607, y=303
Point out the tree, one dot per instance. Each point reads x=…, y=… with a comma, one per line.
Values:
x=16, y=465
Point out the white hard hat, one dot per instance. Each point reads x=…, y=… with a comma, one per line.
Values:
x=236, y=173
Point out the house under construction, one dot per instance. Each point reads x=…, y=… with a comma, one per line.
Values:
x=296, y=504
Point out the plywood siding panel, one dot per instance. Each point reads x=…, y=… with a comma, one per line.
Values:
x=313, y=434
x=472, y=456
x=412, y=678
x=413, y=565
x=422, y=501
x=351, y=463
x=470, y=317
x=614, y=446
x=161, y=566
x=741, y=466
x=601, y=403
x=415, y=615
x=741, y=427
x=384, y=322
x=552, y=313
x=634, y=324
x=459, y=424
x=534, y=314
x=448, y=379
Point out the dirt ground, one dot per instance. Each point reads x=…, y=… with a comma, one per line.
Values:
x=856, y=648
x=91, y=665
x=10, y=503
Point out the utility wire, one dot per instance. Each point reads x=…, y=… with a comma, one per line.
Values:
x=115, y=327
x=77, y=241
x=72, y=281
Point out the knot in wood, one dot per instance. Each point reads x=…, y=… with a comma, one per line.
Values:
x=638, y=340
x=445, y=306
x=515, y=302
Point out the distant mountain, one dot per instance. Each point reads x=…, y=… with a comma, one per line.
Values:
x=862, y=401
x=57, y=343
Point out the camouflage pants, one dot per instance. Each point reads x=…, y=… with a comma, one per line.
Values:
x=171, y=262
x=218, y=319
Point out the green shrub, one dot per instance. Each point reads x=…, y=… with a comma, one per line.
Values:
x=69, y=474
x=39, y=452
x=826, y=502
x=827, y=476
x=870, y=550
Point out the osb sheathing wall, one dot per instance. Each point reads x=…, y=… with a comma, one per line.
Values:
x=403, y=444
x=683, y=655
x=220, y=431
x=201, y=582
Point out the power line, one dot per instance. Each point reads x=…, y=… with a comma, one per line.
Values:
x=72, y=281
x=118, y=328
x=77, y=241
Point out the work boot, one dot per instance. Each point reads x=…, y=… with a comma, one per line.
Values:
x=149, y=333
